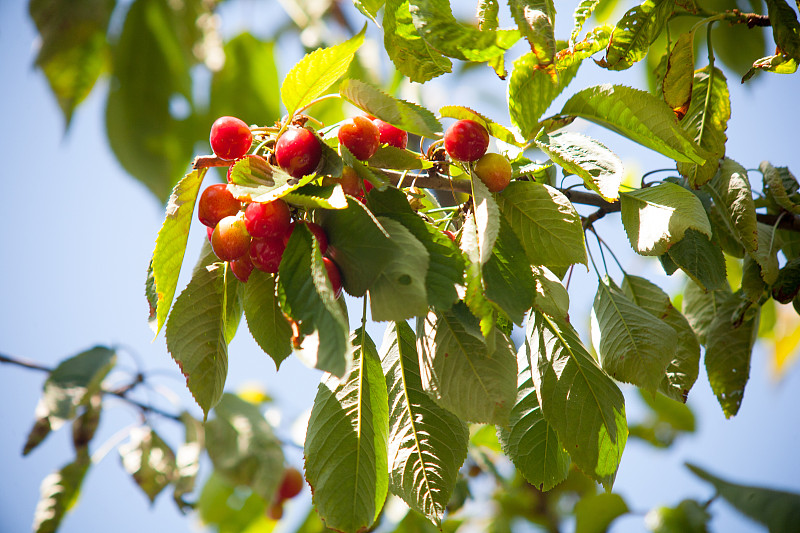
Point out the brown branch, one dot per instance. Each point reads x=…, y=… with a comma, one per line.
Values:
x=751, y=19
x=208, y=161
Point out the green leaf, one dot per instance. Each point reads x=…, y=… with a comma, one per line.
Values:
x=767, y=254
x=679, y=75
x=317, y=196
x=349, y=481
x=787, y=284
x=404, y=115
x=635, y=32
x=266, y=321
x=59, y=492
x=481, y=227
x=199, y=329
x=551, y=296
x=779, y=183
x=700, y=307
x=580, y=16
x=594, y=513
x=780, y=64
x=545, y=222
x=187, y=459
x=729, y=347
x=149, y=460
x=683, y=369
x=637, y=115
x=529, y=440
x=732, y=194
x=377, y=178
x=85, y=425
x=253, y=179
x=171, y=245
x=535, y=20
x=706, y=121
x=233, y=509
x=395, y=158
x=498, y=131
x=776, y=509
x=427, y=444
x=689, y=516
x=399, y=292
x=307, y=297
x=657, y=217
x=583, y=404
x=71, y=384
x=488, y=11
x=461, y=373
x=435, y=22
x=73, y=50
x=409, y=52
x=249, y=70
x=785, y=28
x=700, y=259
x=633, y=346
x=243, y=447
x=369, y=7
x=599, y=167
x=317, y=71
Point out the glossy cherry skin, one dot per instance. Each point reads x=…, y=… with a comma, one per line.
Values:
x=230, y=138
x=268, y=219
x=298, y=151
x=266, y=253
x=291, y=484
x=466, y=140
x=494, y=171
x=316, y=229
x=242, y=267
x=230, y=239
x=334, y=276
x=391, y=135
x=216, y=203
x=360, y=136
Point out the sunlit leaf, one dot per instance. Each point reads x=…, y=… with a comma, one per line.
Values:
x=635, y=32
x=266, y=321
x=187, y=458
x=594, y=513
x=679, y=75
x=149, y=460
x=59, y=492
x=700, y=259
x=732, y=194
x=409, y=52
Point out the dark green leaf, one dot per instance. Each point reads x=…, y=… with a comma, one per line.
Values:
x=779, y=184
x=785, y=28
x=700, y=307
x=700, y=259
x=149, y=460
x=738, y=46
x=59, y=492
x=635, y=32
x=409, y=52
x=733, y=195
x=787, y=284
x=266, y=321
x=507, y=276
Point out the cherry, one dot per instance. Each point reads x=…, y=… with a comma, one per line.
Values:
x=334, y=276
x=230, y=138
x=360, y=136
x=216, y=203
x=242, y=267
x=466, y=140
x=391, y=135
x=291, y=484
x=351, y=182
x=209, y=232
x=494, y=171
x=316, y=229
x=298, y=151
x=230, y=239
x=269, y=219
x=266, y=253
x=275, y=511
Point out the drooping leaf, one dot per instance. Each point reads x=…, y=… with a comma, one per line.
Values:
x=700, y=307
x=637, y=115
x=700, y=259
x=149, y=460
x=785, y=28
x=409, y=52
x=350, y=480
x=689, y=516
x=266, y=321
x=551, y=296
x=317, y=71
x=736, y=45
x=545, y=222
x=657, y=217
x=679, y=75
x=780, y=183
x=731, y=192
x=787, y=284
x=595, y=512
x=583, y=404
x=187, y=459
x=171, y=245
x=482, y=225
x=243, y=447
x=404, y=115
x=59, y=492
x=427, y=444
x=600, y=169
x=535, y=19
x=635, y=32
x=498, y=131
x=85, y=425
x=767, y=254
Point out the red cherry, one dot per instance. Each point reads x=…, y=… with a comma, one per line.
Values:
x=360, y=136
x=242, y=267
x=266, y=253
x=230, y=239
x=209, y=232
x=391, y=135
x=316, y=229
x=466, y=140
x=216, y=203
x=450, y=235
x=334, y=276
x=275, y=511
x=269, y=219
x=351, y=182
x=494, y=171
x=368, y=186
x=298, y=151
x=230, y=138
x=291, y=484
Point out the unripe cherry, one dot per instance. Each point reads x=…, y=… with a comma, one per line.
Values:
x=494, y=171
x=230, y=239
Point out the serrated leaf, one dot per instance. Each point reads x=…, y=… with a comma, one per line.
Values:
x=427, y=444
x=317, y=71
x=318, y=196
x=581, y=14
x=171, y=245
x=482, y=225
x=683, y=369
x=71, y=384
x=187, y=459
x=779, y=183
x=595, y=512
x=637, y=115
x=404, y=115
x=350, y=481
x=199, y=329
x=266, y=321
x=306, y=295
x=635, y=32
x=376, y=178
x=700, y=307
x=545, y=222
x=599, y=167
x=657, y=217
x=243, y=447
x=551, y=296
x=399, y=292
x=149, y=460
x=59, y=492
x=529, y=440
x=733, y=195
x=487, y=14
x=583, y=404
x=409, y=52
x=706, y=121
x=785, y=28
x=253, y=179
x=535, y=20
x=498, y=131
x=679, y=76
x=461, y=373
x=776, y=509
x=633, y=346
x=700, y=259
